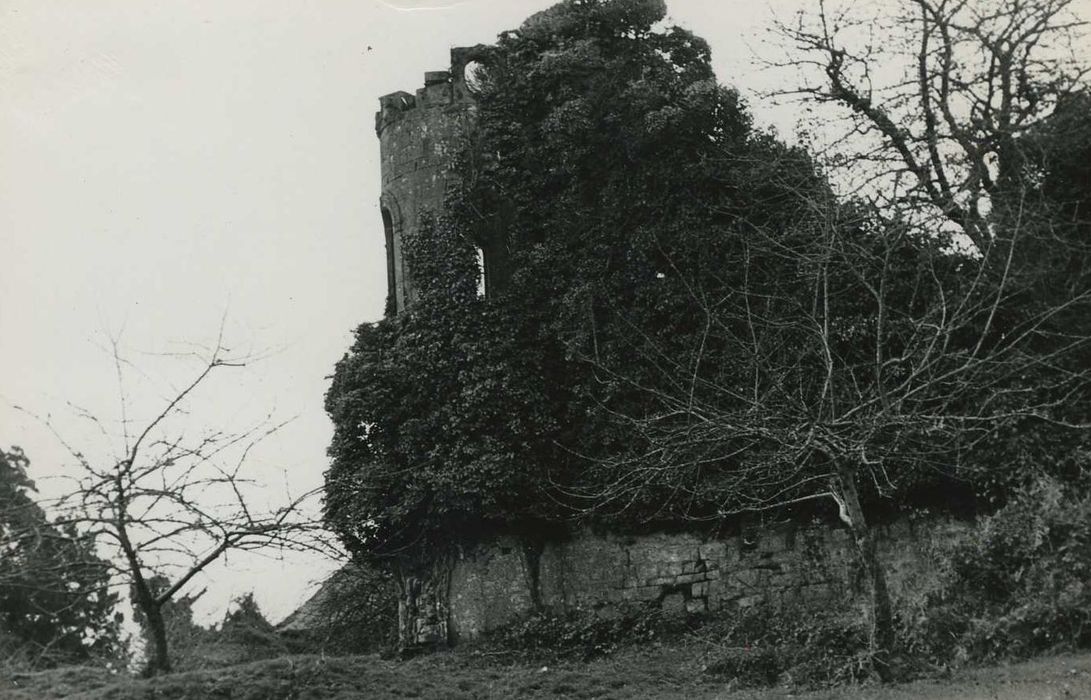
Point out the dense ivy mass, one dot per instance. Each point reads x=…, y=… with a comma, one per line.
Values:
x=683, y=320
x=606, y=156
x=442, y=418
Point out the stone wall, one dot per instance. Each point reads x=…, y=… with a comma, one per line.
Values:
x=493, y=583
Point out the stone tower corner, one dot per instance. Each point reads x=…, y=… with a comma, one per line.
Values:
x=419, y=135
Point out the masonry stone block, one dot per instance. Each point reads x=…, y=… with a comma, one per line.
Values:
x=661, y=581
x=749, y=578
x=713, y=551
x=678, y=554
x=817, y=592
x=689, y=578
x=770, y=542
x=671, y=568
x=692, y=567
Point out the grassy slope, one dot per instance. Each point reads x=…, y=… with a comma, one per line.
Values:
x=647, y=674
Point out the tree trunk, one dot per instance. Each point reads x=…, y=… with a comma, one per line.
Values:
x=408, y=612
x=532, y=561
x=160, y=661
x=882, y=619
x=153, y=617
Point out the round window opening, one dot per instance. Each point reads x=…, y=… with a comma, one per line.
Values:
x=473, y=74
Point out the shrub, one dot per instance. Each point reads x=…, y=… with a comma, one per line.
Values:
x=1017, y=585
x=354, y=612
x=749, y=666
x=55, y=604
x=766, y=643
x=245, y=635
x=579, y=634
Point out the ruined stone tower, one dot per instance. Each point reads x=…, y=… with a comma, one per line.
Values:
x=418, y=137
x=464, y=591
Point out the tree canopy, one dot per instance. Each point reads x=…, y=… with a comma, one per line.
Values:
x=55, y=604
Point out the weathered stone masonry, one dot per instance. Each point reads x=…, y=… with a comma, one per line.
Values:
x=490, y=584
x=418, y=135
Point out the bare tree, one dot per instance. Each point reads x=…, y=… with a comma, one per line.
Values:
x=864, y=344
x=855, y=352
x=947, y=88
x=878, y=349
x=170, y=504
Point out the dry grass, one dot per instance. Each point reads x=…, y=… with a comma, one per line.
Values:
x=652, y=673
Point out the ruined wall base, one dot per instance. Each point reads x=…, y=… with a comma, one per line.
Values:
x=493, y=583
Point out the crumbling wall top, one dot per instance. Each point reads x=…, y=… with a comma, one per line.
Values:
x=441, y=89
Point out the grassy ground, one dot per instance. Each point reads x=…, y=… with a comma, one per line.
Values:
x=653, y=674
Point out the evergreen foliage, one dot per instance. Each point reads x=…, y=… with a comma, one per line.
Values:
x=354, y=612
x=55, y=605
x=609, y=174
x=1016, y=586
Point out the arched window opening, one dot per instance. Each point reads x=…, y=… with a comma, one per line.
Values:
x=473, y=76
x=391, y=267
x=481, y=273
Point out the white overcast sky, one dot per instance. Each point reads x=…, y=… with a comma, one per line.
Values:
x=164, y=165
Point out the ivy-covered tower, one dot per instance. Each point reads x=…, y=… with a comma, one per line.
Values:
x=418, y=138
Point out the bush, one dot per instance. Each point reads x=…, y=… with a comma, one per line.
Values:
x=1017, y=586
x=55, y=604
x=579, y=634
x=754, y=646
x=354, y=612
x=767, y=643
x=244, y=635
x=749, y=667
